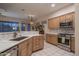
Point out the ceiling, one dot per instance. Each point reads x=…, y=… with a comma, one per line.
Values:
x=22, y=10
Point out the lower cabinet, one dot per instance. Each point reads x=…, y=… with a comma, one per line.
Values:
x=37, y=43
x=72, y=44
x=30, y=45
x=52, y=38
x=25, y=48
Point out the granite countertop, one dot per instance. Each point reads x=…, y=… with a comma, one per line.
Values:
x=6, y=44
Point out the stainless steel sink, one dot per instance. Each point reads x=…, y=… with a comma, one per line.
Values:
x=19, y=38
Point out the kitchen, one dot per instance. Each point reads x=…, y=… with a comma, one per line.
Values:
x=30, y=30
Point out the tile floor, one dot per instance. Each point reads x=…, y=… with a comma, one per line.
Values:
x=51, y=50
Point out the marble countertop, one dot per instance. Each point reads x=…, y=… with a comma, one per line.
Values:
x=6, y=44
x=52, y=33
x=73, y=34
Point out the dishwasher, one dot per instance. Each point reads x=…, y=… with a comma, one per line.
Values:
x=10, y=52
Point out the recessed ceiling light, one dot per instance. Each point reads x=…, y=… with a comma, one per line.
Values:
x=52, y=5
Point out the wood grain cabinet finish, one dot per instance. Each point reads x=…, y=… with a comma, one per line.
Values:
x=37, y=43
x=73, y=15
x=22, y=49
x=62, y=18
x=25, y=48
x=72, y=45
x=70, y=17
x=52, y=38
x=29, y=49
x=53, y=23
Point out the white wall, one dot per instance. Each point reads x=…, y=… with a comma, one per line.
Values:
x=45, y=28
x=60, y=12
x=63, y=11
x=9, y=13
x=77, y=30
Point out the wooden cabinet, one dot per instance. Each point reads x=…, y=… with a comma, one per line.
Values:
x=62, y=18
x=72, y=44
x=73, y=19
x=70, y=17
x=53, y=23
x=67, y=17
x=25, y=48
x=22, y=49
x=29, y=47
x=37, y=43
x=52, y=38
x=73, y=16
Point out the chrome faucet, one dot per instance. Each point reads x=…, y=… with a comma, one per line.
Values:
x=14, y=34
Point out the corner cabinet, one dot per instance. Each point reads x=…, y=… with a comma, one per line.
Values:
x=25, y=48
x=52, y=38
x=53, y=23
x=37, y=43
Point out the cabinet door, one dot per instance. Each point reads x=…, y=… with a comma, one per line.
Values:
x=50, y=23
x=72, y=44
x=41, y=38
x=29, y=46
x=37, y=43
x=62, y=18
x=53, y=39
x=69, y=17
x=53, y=23
x=34, y=44
x=73, y=18
x=49, y=40
x=23, y=49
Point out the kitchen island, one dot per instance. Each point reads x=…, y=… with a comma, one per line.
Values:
x=7, y=44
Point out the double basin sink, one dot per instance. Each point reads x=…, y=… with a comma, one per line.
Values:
x=19, y=38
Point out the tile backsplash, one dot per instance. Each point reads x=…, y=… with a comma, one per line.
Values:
x=62, y=31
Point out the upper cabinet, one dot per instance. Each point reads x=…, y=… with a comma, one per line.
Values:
x=53, y=23
x=62, y=18
x=69, y=17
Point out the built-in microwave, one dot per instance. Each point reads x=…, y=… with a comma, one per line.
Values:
x=66, y=24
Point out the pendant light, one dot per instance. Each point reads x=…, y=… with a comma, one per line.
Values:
x=31, y=22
